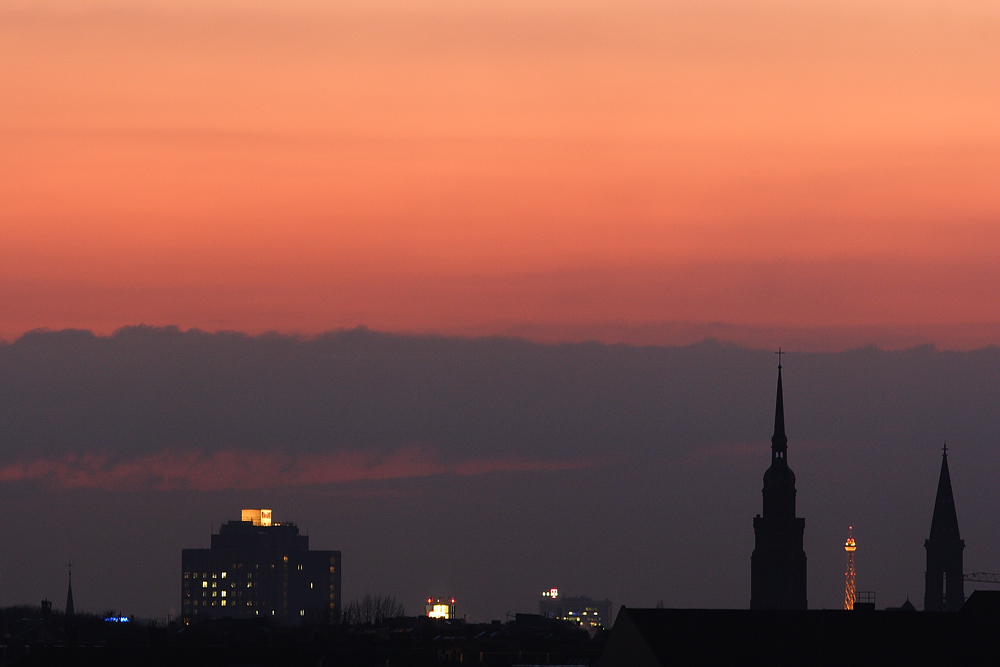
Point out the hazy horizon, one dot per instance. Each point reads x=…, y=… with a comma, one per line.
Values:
x=487, y=469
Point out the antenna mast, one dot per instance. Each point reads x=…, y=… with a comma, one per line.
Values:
x=850, y=595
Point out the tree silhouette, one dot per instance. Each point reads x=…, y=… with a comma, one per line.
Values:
x=372, y=610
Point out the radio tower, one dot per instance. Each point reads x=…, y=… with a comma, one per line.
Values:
x=849, y=594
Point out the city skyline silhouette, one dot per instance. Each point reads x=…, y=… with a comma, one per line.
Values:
x=666, y=442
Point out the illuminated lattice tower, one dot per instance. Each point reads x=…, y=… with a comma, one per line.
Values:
x=849, y=593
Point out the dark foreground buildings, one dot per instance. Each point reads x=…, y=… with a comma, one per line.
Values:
x=591, y=614
x=527, y=639
x=663, y=637
x=258, y=568
x=944, y=581
x=778, y=563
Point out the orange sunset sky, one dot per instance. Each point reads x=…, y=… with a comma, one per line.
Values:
x=626, y=170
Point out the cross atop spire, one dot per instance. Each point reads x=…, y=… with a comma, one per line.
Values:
x=779, y=353
x=945, y=449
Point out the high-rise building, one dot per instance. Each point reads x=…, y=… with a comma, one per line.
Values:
x=256, y=567
x=944, y=581
x=778, y=563
x=589, y=613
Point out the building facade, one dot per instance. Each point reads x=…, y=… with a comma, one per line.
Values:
x=944, y=581
x=589, y=613
x=778, y=563
x=259, y=568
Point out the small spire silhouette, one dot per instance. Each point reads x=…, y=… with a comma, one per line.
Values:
x=70, y=612
x=779, y=441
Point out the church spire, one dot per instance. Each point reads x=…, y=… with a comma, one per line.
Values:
x=779, y=441
x=944, y=523
x=70, y=612
x=944, y=583
x=778, y=562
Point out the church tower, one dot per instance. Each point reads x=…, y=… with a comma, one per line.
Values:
x=778, y=563
x=944, y=583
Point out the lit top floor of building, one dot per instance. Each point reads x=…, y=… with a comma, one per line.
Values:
x=256, y=567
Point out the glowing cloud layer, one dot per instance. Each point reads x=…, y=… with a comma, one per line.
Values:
x=229, y=470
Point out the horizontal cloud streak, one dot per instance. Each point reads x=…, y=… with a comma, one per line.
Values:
x=231, y=470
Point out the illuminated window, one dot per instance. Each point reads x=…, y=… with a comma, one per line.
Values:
x=214, y=594
x=302, y=612
x=300, y=568
x=215, y=576
x=204, y=584
x=187, y=575
x=213, y=584
x=223, y=575
x=286, y=559
x=223, y=603
x=223, y=593
x=249, y=585
x=310, y=585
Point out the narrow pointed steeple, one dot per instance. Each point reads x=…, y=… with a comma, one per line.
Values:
x=779, y=441
x=944, y=523
x=779, y=480
x=70, y=612
x=944, y=582
x=778, y=562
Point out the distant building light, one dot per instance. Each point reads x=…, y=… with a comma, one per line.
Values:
x=116, y=619
x=439, y=608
